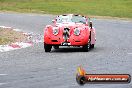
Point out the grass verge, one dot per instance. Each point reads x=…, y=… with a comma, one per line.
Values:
x=114, y=8
x=8, y=36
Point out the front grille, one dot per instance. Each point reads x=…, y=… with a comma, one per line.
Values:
x=66, y=34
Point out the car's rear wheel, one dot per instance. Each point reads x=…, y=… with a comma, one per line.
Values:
x=47, y=47
x=86, y=47
x=56, y=47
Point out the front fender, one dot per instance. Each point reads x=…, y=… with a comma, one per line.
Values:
x=47, y=31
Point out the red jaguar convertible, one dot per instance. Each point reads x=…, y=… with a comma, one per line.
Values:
x=69, y=30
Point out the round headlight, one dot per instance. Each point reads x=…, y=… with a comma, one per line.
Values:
x=77, y=31
x=55, y=31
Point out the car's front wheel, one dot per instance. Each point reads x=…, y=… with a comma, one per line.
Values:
x=92, y=46
x=47, y=47
x=86, y=47
x=56, y=47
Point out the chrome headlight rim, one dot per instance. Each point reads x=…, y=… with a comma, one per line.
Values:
x=55, y=31
x=77, y=31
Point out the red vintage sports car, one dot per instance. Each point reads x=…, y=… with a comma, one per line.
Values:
x=69, y=30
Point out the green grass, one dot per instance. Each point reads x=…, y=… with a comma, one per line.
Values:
x=8, y=36
x=114, y=8
x=4, y=40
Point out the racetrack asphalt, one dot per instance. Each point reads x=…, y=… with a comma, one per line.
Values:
x=33, y=68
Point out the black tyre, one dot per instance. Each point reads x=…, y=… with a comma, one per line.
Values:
x=47, y=47
x=92, y=46
x=86, y=47
x=56, y=47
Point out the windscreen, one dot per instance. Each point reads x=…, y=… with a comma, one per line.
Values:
x=68, y=18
